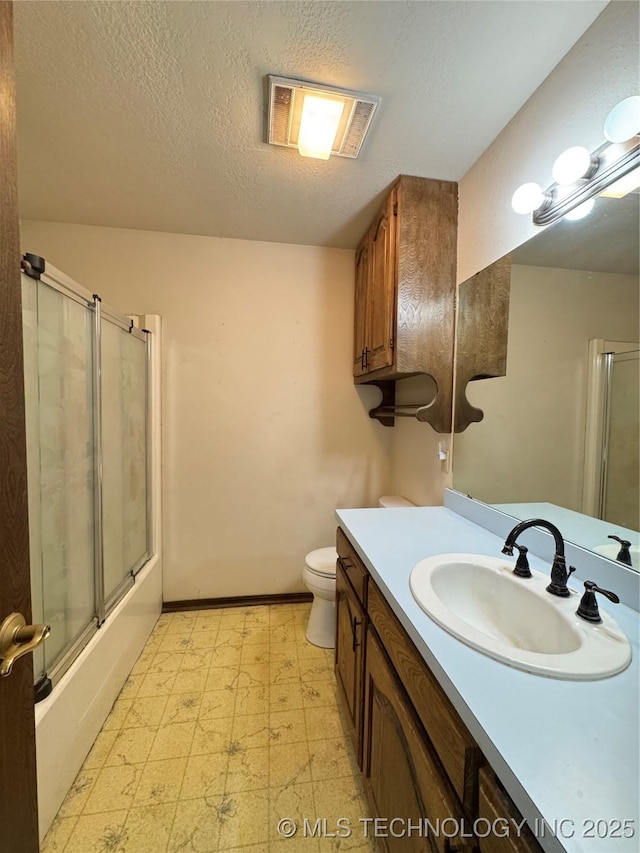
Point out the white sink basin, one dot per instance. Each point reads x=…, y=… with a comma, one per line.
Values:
x=515, y=620
x=611, y=550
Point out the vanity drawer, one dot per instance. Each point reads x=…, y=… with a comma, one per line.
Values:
x=458, y=752
x=495, y=804
x=352, y=566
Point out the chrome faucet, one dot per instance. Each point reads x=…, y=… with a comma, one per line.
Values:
x=559, y=573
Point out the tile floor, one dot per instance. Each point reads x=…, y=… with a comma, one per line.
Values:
x=228, y=723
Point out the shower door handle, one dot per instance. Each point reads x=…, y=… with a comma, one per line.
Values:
x=18, y=639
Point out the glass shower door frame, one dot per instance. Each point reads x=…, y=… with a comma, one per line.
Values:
x=609, y=359
x=596, y=418
x=63, y=284
x=105, y=313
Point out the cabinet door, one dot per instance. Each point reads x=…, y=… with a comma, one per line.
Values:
x=496, y=807
x=363, y=262
x=382, y=289
x=403, y=775
x=349, y=658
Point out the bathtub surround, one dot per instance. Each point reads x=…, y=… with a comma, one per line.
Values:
x=264, y=432
x=68, y=721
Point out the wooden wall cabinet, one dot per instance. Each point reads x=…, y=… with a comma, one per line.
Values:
x=417, y=756
x=483, y=319
x=405, y=293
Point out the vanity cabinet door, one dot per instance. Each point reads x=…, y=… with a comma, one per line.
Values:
x=349, y=658
x=375, y=293
x=382, y=286
x=456, y=749
x=496, y=809
x=361, y=315
x=403, y=775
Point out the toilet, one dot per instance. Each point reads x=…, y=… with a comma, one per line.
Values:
x=319, y=575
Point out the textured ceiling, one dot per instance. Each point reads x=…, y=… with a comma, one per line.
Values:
x=150, y=114
x=607, y=240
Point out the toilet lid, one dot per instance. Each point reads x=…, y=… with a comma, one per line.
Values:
x=322, y=561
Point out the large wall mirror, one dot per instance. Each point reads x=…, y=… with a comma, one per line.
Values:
x=560, y=435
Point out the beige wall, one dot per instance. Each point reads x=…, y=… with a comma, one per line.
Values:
x=568, y=108
x=417, y=473
x=264, y=431
x=530, y=445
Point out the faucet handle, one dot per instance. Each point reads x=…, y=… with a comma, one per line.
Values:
x=624, y=555
x=522, y=569
x=588, y=607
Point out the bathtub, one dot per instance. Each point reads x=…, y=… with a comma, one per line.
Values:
x=69, y=720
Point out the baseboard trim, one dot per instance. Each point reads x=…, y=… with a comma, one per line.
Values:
x=236, y=601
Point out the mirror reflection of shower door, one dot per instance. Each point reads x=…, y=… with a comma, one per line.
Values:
x=621, y=441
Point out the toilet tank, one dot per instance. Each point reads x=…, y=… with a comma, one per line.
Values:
x=394, y=501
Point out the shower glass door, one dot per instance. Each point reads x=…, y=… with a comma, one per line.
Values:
x=124, y=455
x=60, y=459
x=86, y=389
x=621, y=499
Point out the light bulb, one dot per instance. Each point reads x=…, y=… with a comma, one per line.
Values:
x=527, y=198
x=318, y=126
x=623, y=122
x=571, y=165
x=581, y=211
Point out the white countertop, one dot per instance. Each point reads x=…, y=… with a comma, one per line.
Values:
x=564, y=750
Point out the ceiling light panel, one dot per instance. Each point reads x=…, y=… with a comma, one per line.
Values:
x=285, y=108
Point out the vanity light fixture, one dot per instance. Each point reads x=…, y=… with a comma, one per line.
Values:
x=573, y=164
x=581, y=175
x=318, y=120
x=624, y=186
x=580, y=211
x=527, y=198
x=623, y=122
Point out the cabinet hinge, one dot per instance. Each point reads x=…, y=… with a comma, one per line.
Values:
x=395, y=208
x=391, y=342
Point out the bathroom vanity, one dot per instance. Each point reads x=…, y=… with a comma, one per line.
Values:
x=446, y=733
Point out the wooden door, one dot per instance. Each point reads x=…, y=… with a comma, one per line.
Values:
x=382, y=290
x=363, y=258
x=402, y=772
x=18, y=800
x=349, y=660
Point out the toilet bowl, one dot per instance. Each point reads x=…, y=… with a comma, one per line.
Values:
x=319, y=575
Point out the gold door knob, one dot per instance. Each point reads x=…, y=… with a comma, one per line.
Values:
x=17, y=639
